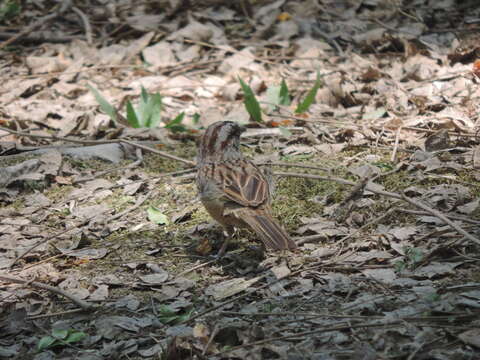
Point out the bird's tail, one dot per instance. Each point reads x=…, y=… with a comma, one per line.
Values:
x=270, y=232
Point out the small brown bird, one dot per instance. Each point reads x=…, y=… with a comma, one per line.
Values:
x=234, y=191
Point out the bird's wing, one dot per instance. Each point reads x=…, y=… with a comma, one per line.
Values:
x=243, y=183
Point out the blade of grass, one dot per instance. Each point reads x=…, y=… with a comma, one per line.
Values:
x=132, y=116
x=250, y=101
x=104, y=104
x=155, y=110
x=284, y=94
x=176, y=124
x=310, y=98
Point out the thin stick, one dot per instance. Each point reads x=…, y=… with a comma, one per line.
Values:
x=340, y=181
x=138, y=203
x=395, y=145
x=86, y=24
x=100, y=142
x=210, y=339
x=442, y=217
x=317, y=331
x=50, y=238
x=83, y=304
x=64, y=6
x=453, y=217
x=155, y=151
x=60, y=313
x=388, y=194
x=196, y=267
x=304, y=166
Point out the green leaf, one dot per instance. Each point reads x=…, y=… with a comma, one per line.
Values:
x=176, y=124
x=251, y=103
x=155, y=112
x=310, y=98
x=196, y=118
x=284, y=94
x=75, y=336
x=144, y=95
x=186, y=316
x=9, y=9
x=104, y=104
x=167, y=315
x=59, y=333
x=156, y=216
x=149, y=109
x=400, y=266
x=132, y=116
x=46, y=342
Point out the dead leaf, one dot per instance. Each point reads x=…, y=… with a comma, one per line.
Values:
x=230, y=287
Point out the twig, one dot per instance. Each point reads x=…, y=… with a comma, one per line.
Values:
x=41, y=38
x=64, y=6
x=133, y=165
x=139, y=203
x=373, y=222
x=317, y=331
x=230, y=301
x=83, y=304
x=246, y=293
x=99, y=142
x=60, y=313
x=388, y=194
x=340, y=181
x=84, y=222
x=395, y=145
x=196, y=267
x=210, y=339
x=86, y=24
x=155, y=151
x=229, y=49
x=304, y=166
x=453, y=217
x=442, y=217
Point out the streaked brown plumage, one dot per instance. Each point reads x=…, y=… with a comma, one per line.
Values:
x=234, y=191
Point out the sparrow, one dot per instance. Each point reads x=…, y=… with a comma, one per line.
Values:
x=234, y=191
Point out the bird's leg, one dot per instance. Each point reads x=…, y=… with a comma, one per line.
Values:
x=227, y=236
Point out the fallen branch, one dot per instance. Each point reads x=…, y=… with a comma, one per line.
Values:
x=63, y=7
x=424, y=207
x=77, y=226
x=83, y=304
x=442, y=217
x=99, y=142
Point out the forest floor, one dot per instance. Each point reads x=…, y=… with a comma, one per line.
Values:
x=106, y=251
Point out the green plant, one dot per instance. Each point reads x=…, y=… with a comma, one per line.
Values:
x=148, y=112
x=413, y=258
x=146, y=115
x=277, y=95
x=104, y=104
x=9, y=9
x=251, y=102
x=60, y=337
x=310, y=98
x=156, y=216
x=170, y=316
x=176, y=124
